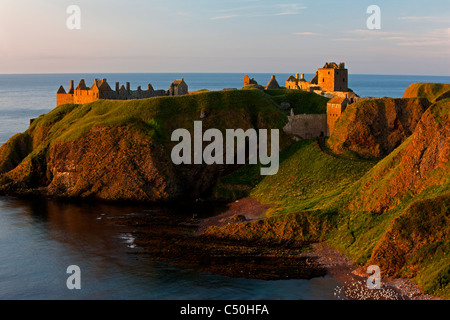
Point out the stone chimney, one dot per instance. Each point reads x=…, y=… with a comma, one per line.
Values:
x=302, y=76
x=296, y=76
x=128, y=86
x=71, y=87
x=117, y=86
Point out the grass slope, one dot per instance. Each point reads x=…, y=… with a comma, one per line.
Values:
x=307, y=178
x=159, y=117
x=431, y=91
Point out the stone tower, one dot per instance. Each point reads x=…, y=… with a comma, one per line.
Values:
x=333, y=77
x=335, y=107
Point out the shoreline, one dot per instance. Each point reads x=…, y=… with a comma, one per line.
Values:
x=340, y=267
x=182, y=240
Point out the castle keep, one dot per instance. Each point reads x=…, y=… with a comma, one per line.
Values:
x=331, y=78
x=330, y=81
x=101, y=90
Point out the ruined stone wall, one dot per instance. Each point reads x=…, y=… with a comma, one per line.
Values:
x=341, y=80
x=307, y=126
x=334, y=111
x=64, y=98
x=291, y=85
x=132, y=94
x=85, y=96
x=101, y=90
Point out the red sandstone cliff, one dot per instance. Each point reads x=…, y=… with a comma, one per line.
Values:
x=374, y=128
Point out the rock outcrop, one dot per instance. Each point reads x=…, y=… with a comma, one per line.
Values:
x=374, y=128
x=420, y=162
x=121, y=151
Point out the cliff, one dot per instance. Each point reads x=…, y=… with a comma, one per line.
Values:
x=420, y=162
x=120, y=150
x=374, y=128
x=397, y=215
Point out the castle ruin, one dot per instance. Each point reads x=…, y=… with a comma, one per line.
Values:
x=331, y=78
x=330, y=81
x=335, y=107
x=101, y=90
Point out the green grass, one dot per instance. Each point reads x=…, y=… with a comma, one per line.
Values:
x=301, y=101
x=307, y=178
x=154, y=119
x=14, y=151
x=431, y=91
x=159, y=117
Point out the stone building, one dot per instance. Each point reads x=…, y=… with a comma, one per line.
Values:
x=273, y=84
x=100, y=89
x=335, y=107
x=178, y=88
x=247, y=81
x=333, y=77
x=306, y=126
x=298, y=82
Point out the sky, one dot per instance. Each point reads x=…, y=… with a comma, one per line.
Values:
x=245, y=36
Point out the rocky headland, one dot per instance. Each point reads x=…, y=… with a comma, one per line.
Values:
x=391, y=211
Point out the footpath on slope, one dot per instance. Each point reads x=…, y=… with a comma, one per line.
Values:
x=321, y=142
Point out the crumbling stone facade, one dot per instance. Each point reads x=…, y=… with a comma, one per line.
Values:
x=101, y=90
x=332, y=78
x=307, y=126
x=335, y=107
x=247, y=81
x=273, y=84
x=299, y=83
x=178, y=88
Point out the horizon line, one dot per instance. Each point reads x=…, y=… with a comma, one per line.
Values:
x=89, y=73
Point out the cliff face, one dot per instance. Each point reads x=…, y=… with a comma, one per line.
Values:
x=111, y=163
x=374, y=128
x=402, y=205
x=113, y=150
x=420, y=233
x=420, y=162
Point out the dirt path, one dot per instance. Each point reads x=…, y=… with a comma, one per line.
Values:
x=248, y=208
x=321, y=142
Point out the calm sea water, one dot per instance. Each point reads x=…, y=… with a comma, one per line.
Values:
x=40, y=239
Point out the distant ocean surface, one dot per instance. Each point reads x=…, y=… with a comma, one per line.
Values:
x=23, y=97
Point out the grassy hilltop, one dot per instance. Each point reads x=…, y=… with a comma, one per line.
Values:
x=431, y=91
x=120, y=150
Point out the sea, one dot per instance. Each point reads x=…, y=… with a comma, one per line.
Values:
x=41, y=238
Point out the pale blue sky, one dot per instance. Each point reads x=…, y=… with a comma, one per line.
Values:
x=224, y=36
